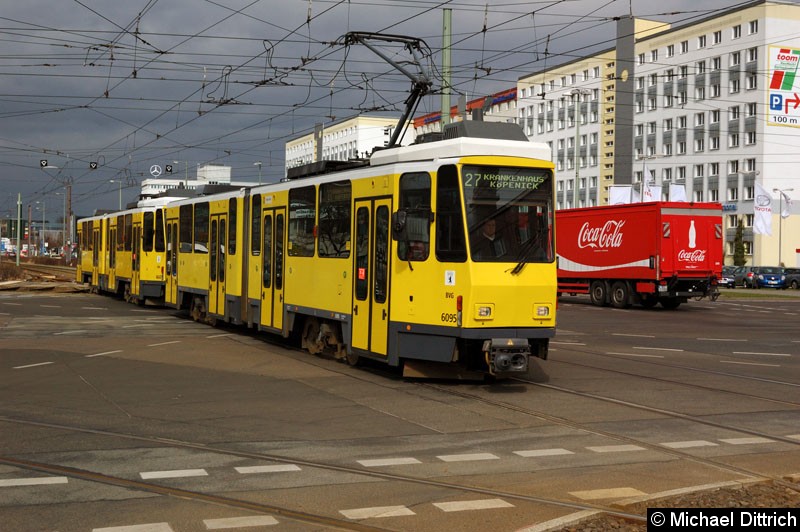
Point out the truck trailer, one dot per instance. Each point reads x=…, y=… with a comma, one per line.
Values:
x=640, y=253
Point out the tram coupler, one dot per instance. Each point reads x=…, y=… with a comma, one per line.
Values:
x=507, y=355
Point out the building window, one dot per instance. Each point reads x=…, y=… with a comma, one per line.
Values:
x=683, y=71
x=733, y=194
x=682, y=122
x=700, y=93
x=733, y=112
x=736, y=58
x=701, y=41
x=667, y=149
x=713, y=169
x=752, y=55
x=684, y=47
x=641, y=59
x=698, y=195
x=666, y=174
x=734, y=86
x=668, y=100
x=699, y=119
x=700, y=67
x=749, y=165
x=670, y=50
x=640, y=106
x=750, y=138
x=736, y=31
x=733, y=167
x=749, y=192
x=681, y=147
x=640, y=82
x=733, y=140
x=715, y=116
x=667, y=124
x=680, y=172
x=699, y=145
x=752, y=27
x=713, y=194
x=652, y=104
x=717, y=37
x=698, y=170
x=752, y=82
x=715, y=90
x=716, y=63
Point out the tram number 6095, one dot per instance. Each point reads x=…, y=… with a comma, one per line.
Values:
x=448, y=317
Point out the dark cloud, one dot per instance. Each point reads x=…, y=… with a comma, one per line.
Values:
x=130, y=84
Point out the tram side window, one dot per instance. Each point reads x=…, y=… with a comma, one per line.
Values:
x=201, y=227
x=415, y=202
x=450, y=243
x=232, y=226
x=128, y=232
x=160, y=247
x=147, y=232
x=120, y=233
x=334, y=219
x=302, y=216
x=89, y=235
x=255, y=220
x=186, y=229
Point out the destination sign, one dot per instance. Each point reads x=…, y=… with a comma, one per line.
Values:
x=504, y=178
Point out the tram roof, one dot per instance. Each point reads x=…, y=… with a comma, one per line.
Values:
x=462, y=147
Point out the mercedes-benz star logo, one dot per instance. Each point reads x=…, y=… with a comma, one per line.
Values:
x=155, y=170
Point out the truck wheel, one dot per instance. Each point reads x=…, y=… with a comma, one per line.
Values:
x=620, y=295
x=670, y=303
x=649, y=301
x=597, y=293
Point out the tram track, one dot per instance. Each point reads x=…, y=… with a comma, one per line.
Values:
x=56, y=469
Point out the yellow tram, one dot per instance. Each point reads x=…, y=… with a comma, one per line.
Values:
x=437, y=257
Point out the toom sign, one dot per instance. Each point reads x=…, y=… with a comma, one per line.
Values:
x=784, y=87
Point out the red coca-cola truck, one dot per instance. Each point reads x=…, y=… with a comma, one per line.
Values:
x=640, y=253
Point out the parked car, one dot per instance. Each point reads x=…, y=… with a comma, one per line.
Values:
x=727, y=280
x=769, y=277
x=743, y=276
x=792, y=277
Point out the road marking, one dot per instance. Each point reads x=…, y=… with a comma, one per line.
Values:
x=32, y=365
x=5, y=314
x=10, y=482
x=69, y=332
x=219, y=335
x=267, y=469
x=14, y=304
x=750, y=363
x=567, y=343
x=761, y=354
x=165, y=343
x=462, y=506
x=94, y=308
x=634, y=335
x=378, y=511
x=104, y=353
x=747, y=441
x=634, y=355
x=610, y=493
x=794, y=436
x=723, y=339
x=542, y=452
x=143, y=310
x=150, y=527
x=615, y=448
x=135, y=325
x=658, y=349
x=467, y=457
x=178, y=473
x=689, y=444
x=50, y=306
x=388, y=462
x=239, y=522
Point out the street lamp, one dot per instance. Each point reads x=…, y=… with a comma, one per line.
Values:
x=119, y=182
x=577, y=93
x=258, y=163
x=781, y=193
x=64, y=224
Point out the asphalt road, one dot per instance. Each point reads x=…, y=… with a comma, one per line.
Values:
x=122, y=418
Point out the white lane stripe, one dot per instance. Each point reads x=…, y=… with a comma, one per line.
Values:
x=5, y=314
x=219, y=335
x=33, y=365
x=50, y=306
x=794, y=436
x=267, y=469
x=723, y=339
x=467, y=457
x=762, y=354
x=104, y=353
x=378, y=511
x=388, y=462
x=150, y=527
x=165, y=343
x=615, y=448
x=94, y=308
x=746, y=441
x=611, y=493
x=567, y=343
x=239, y=522
x=143, y=310
x=689, y=444
x=69, y=332
x=634, y=355
x=750, y=363
x=633, y=335
x=9, y=482
x=463, y=506
x=542, y=452
x=14, y=304
x=659, y=349
x=135, y=325
x=177, y=473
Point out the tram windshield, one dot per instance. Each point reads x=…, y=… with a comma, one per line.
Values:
x=509, y=213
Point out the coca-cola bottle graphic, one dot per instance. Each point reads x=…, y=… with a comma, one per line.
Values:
x=692, y=235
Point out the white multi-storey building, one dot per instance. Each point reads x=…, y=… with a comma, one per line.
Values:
x=346, y=139
x=711, y=105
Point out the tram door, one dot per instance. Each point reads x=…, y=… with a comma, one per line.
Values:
x=171, y=280
x=371, y=276
x=111, y=247
x=136, y=258
x=96, y=242
x=273, y=230
x=216, y=264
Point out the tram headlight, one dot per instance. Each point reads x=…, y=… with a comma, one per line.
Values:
x=543, y=311
x=484, y=311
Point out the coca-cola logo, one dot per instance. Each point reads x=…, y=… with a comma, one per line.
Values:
x=695, y=255
x=607, y=236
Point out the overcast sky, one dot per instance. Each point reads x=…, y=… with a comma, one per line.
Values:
x=142, y=82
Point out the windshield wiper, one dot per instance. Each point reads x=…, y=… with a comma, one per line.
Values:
x=522, y=255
